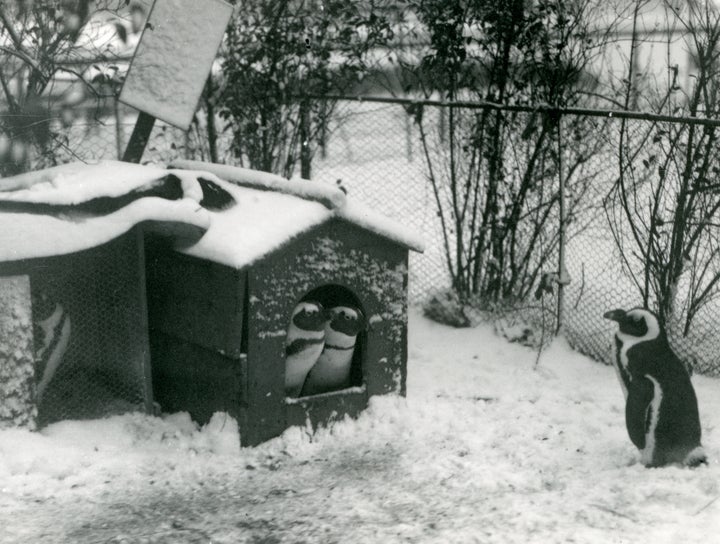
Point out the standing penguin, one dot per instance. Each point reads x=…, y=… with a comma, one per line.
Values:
x=303, y=344
x=332, y=370
x=661, y=411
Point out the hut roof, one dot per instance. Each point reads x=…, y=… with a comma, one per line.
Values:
x=272, y=210
x=77, y=206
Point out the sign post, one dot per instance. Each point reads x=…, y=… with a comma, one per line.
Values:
x=170, y=65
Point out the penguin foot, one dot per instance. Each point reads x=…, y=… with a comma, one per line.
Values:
x=696, y=457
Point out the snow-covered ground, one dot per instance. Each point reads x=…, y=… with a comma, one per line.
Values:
x=486, y=448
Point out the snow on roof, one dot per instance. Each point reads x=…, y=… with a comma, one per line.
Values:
x=366, y=217
x=77, y=182
x=45, y=213
x=36, y=209
x=272, y=211
x=260, y=222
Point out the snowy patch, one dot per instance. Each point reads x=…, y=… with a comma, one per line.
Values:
x=24, y=236
x=363, y=216
x=548, y=460
x=78, y=182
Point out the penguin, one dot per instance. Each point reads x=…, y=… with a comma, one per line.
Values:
x=303, y=344
x=52, y=333
x=332, y=370
x=661, y=409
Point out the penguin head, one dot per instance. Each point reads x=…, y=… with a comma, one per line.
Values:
x=637, y=323
x=309, y=316
x=347, y=320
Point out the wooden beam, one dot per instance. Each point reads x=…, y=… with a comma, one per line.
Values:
x=139, y=139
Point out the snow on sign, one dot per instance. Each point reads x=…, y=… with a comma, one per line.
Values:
x=174, y=57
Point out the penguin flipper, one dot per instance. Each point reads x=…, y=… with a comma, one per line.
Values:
x=639, y=400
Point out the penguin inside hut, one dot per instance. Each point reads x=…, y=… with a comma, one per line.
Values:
x=661, y=410
x=332, y=371
x=304, y=344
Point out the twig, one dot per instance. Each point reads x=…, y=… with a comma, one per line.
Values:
x=460, y=397
x=542, y=331
x=707, y=505
x=582, y=285
x=613, y=512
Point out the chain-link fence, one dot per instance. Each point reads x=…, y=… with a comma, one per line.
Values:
x=88, y=338
x=377, y=151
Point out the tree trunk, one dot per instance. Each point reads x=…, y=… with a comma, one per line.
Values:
x=17, y=367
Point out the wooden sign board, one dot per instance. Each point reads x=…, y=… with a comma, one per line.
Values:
x=174, y=57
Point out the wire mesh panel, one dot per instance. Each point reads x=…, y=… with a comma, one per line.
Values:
x=614, y=169
x=652, y=241
x=373, y=151
x=90, y=332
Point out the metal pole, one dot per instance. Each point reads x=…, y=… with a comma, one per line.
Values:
x=589, y=112
x=408, y=138
x=562, y=271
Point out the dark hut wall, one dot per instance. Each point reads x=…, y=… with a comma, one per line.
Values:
x=337, y=253
x=196, y=340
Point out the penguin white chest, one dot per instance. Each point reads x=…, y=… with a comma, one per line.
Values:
x=303, y=344
x=332, y=370
x=652, y=417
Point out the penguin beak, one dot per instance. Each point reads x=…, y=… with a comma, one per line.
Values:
x=615, y=315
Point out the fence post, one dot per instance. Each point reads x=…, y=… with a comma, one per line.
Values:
x=408, y=138
x=323, y=129
x=563, y=279
x=441, y=124
x=304, y=139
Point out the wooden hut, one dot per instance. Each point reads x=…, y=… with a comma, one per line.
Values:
x=219, y=310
